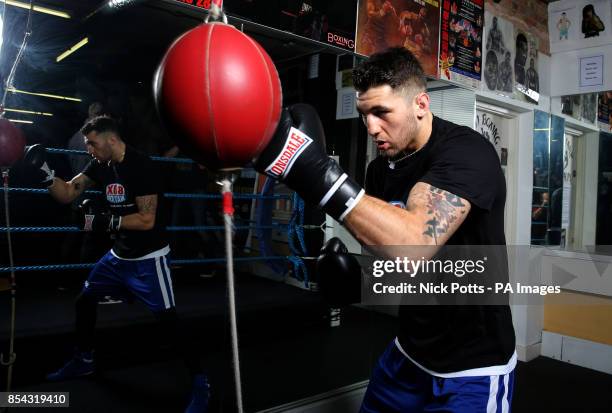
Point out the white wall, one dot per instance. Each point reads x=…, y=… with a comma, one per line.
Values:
x=565, y=71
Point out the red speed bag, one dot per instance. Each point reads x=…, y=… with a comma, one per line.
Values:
x=219, y=94
x=12, y=143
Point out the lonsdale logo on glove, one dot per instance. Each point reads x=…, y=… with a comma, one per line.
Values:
x=88, y=224
x=295, y=144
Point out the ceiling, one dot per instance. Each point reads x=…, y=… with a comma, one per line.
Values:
x=116, y=66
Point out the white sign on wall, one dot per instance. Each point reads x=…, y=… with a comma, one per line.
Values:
x=345, y=104
x=591, y=71
x=493, y=128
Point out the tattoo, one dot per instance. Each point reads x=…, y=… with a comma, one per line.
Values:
x=80, y=183
x=147, y=204
x=444, y=209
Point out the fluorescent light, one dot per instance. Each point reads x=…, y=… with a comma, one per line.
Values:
x=115, y=4
x=20, y=121
x=73, y=49
x=28, y=111
x=46, y=95
x=39, y=9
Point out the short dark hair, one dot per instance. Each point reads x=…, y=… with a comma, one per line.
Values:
x=396, y=67
x=521, y=39
x=101, y=124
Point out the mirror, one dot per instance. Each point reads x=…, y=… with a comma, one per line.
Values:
x=547, y=199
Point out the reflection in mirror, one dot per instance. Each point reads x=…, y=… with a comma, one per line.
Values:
x=547, y=197
x=604, y=194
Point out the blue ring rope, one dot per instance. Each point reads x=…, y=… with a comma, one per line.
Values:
x=295, y=226
x=84, y=153
x=177, y=262
x=296, y=230
x=263, y=215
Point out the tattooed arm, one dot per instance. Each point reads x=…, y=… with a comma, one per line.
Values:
x=144, y=219
x=66, y=192
x=431, y=217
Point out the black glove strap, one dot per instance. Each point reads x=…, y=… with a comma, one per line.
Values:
x=342, y=197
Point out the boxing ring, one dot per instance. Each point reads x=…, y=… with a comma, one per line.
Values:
x=294, y=229
x=287, y=265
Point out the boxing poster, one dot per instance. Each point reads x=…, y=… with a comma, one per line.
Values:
x=413, y=24
x=525, y=65
x=331, y=22
x=588, y=112
x=564, y=24
x=498, y=55
x=595, y=18
x=581, y=107
x=604, y=110
x=461, y=41
x=575, y=24
x=571, y=105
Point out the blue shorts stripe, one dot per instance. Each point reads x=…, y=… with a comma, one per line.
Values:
x=168, y=279
x=493, y=392
x=161, y=282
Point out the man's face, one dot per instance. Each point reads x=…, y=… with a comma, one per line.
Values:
x=389, y=117
x=521, y=52
x=98, y=146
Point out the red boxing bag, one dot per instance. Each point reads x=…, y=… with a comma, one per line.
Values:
x=219, y=95
x=12, y=143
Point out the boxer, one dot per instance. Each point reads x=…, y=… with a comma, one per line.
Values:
x=138, y=264
x=450, y=182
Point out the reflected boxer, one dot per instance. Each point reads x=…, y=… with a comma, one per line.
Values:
x=138, y=265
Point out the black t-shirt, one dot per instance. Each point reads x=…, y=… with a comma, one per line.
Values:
x=456, y=159
x=121, y=183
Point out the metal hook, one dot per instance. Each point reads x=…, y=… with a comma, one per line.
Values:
x=221, y=17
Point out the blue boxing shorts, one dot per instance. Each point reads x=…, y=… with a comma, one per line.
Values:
x=147, y=279
x=398, y=385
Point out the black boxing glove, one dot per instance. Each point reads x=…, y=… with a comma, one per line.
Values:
x=35, y=158
x=296, y=156
x=339, y=274
x=94, y=219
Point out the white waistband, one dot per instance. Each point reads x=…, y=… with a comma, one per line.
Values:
x=154, y=254
x=481, y=371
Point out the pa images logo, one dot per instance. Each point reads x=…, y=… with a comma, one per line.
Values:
x=115, y=193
